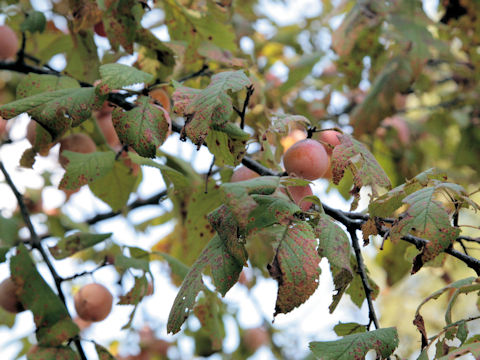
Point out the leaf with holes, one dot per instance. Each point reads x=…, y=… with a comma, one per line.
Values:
x=366, y=171
x=209, y=107
x=225, y=269
x=56, y=110
x=117, y=76
x=85, y=168
x=144, y=128
x=54, y=325
x=335, y=246
x=237, y=195
x=355, y=346
x=295, y=266
x=426, y=217
x=75, y=243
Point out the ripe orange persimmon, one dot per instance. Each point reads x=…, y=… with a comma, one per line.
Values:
x=306, y=159
x=298, y=193
x=329, y=139
x=161, y=97
x=93, y=302
x=8, y=43
x=77, y=142
x=9, y=296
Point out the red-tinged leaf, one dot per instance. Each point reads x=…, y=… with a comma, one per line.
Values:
x=335, y=246
x=75, y=243
x=366, y=171
x=420, y=324
x=144, y=128
x=355, y=347
x=473, y=349
x=387, y=204
x=210, y=107
x=426, y=217
x=396, y=77
x=58, y=352
x=86, y=168
x=56, y=110
x=34, y=84
x=225, y=270
x=54, y=325
x=237, y=196
x=295, y=266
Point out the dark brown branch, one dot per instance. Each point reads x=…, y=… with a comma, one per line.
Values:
x=363, y=275
x=36, y=244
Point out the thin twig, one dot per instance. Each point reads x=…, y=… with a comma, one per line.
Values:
x=363, y=275
x=36, y=243
x=250, y=90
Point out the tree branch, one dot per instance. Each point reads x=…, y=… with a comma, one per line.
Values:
x=36, y=244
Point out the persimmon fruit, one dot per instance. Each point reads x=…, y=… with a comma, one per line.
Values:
x=161, y=96
x=306, y=159
x=93, y=302
x=298, y=193
x=329, y=139
x=8, y=43
x=9, y=296
x=243, y=173
x=254, y=338
x=77, y=142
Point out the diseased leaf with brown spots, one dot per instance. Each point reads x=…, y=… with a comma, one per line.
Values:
x=335, y=246
x=295, y=266
x=368, y=228
x=366, y=171
x=54, y=325
x=213, y=52
x=227, y=151
x=210, y=107
x=225, y=270
x=426, y=217
x=420, y=324
x=136, y=293
x=57, y=352
x=237, y=196
x=208, y=313
x=117, y=76
x=75, y=243
x=85, y=168
x=144, y=128
x=355, y=347
x=473, y=349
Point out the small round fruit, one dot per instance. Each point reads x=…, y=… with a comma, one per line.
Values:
x=104, y=121
x=298, y=193
x=292, y=138
x=161, y=97
x=306, y=159
x=328, y=137
x=8, y=43
x=99, y=29
x=9, y=296
x=78, y=142
x=82, y=324
x=255, y=338
x=243, y=173
x=93, y=302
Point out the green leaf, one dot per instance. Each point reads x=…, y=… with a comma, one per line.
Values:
x=225, y=270
x=356, y=289
x=34, y=84
x=123, y=262
x=212, y=52
x=366, y=171
x=56, y=110
x=8, y=232
x=57, y=352
x=75, y=243
x=207, y=312
x=136, y=293
x=103, y=353
x=335, y=246
x=116, y=186
x=7, y=318
x=86, y=168
x=237, y=195
x=144, y=128
x=226, y=150
x=473, y=349
x=82, y=57
x=295, y=266
x=355, y=346
x=342, y=329
x=299, y=70
x=209, y=107
x=117, y=76
x=54, y=325
x=35, y=21
x=426, y=217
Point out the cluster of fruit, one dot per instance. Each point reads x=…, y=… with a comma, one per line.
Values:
x=308, y=159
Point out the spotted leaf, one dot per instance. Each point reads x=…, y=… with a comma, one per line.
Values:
x=75, y=243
